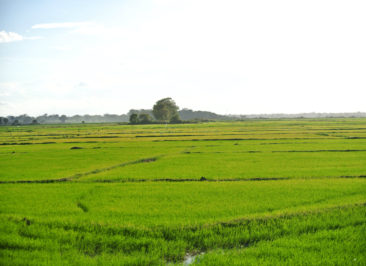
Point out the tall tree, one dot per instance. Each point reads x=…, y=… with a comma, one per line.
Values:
x=144, y=118
x=134, y=119
x=165, y=109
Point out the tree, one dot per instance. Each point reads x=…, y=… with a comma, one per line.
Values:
x=24, y=119
x=144, y=118
x=5, y=120
x=165, y=109
x=175, y=119
x=134, y=119
x=63, y=118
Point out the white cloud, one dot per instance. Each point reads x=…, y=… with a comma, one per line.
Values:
x=83, y=28
x=6, y=37
x=61, y=25
x=10, y=37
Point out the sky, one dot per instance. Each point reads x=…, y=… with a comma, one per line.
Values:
x=229, y=57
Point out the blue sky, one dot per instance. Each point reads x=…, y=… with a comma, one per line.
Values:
x=237, y=57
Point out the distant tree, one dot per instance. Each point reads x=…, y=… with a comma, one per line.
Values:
x=24, y=119
x=175, y=119
x=15, y=122
x=134, y=119
x=144, y=118
x=140, y=111
x=34, y=122
x=1, y=120
x=63, y=118
x=165, y=109
x=5, y=121
x=53, y=119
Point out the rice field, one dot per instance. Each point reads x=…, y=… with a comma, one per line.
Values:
x=256, y=192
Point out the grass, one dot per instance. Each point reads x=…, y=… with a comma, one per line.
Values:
x=90, y=243
x=232, y=165
x=274, y=192
x=236, y=150
x=173, y=203
x=332, y=245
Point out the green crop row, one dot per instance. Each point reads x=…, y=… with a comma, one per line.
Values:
x=332, y=236
x=256, y=192
x=174, y=203
x=216, y=151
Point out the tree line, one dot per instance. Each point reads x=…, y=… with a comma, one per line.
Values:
x=164, y=111
x=59, y=119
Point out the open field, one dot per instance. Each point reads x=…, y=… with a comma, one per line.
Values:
x=217, y=151
x=255, y=192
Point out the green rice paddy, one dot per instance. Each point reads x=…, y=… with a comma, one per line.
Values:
x=256, y=192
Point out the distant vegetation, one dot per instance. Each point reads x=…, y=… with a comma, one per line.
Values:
x=164, y=111
x=58, y=119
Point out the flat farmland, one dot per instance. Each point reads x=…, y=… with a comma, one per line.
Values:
x=268, y=192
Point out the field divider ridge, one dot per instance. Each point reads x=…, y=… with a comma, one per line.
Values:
x=77, y=176
x=203, y=179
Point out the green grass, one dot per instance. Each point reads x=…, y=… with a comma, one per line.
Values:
x=159, y=222
x=174, y=203
x=331, y=245
x=236, y=150
x=232, y=165
x=276, y=192
x=60, y=243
